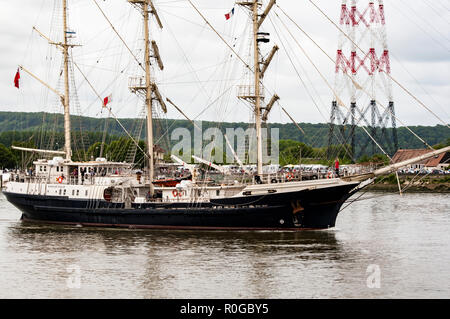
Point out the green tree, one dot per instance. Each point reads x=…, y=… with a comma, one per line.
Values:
x=117, y=150
x=380, y=159
x=140, y=158
x=23, y=159
x=94, y=150
x=292, y=152
x=7, y=159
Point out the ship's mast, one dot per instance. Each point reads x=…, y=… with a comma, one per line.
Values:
x=65, y=99
x=148, y=89
x=257, y=87
x=256, y=96
x=65, y=48
x=148, y=94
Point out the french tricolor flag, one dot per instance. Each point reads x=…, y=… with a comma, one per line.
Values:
x=229, y=14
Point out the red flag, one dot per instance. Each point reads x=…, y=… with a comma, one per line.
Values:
x=16, y=79
x=107, y=99
x=227, y=16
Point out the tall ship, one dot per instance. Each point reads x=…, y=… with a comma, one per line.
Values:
x=103, y=193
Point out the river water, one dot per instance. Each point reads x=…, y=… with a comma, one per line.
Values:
x=384, y=246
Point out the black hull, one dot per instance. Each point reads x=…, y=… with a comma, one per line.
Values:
x=307, y=209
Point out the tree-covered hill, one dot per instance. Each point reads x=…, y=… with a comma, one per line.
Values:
x=316, y=135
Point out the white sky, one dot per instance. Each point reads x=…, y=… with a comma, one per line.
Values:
x=195, y=74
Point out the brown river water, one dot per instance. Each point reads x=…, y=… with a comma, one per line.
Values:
x=385, y=246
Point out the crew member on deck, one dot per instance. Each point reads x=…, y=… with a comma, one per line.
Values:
x=336, y=166
x=83, y=172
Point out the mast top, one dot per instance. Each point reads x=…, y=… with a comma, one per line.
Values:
x=255, y=93
x=153, y=9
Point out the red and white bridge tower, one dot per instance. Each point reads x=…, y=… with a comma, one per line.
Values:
x=363, y=85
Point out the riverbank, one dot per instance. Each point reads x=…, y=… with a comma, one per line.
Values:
x=412, y=183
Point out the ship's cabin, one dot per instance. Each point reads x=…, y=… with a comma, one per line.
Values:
x=59, y=170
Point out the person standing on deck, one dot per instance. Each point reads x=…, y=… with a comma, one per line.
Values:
x=336, y=166
x=92, y=174
x=83, y=172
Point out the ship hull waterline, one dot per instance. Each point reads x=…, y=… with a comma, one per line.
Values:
x=289, y=211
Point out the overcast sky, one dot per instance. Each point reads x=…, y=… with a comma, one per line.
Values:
x=201, y=74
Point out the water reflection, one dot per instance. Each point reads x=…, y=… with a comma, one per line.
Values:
x=172, y=263
x=404, y=236
x=46, y=237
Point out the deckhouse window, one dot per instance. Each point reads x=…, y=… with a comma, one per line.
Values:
x=45, y=168
x=40, y=168
x=57, y=168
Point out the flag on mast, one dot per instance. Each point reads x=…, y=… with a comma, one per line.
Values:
x=16, y=79
x=229, y=14
x=107, y=100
